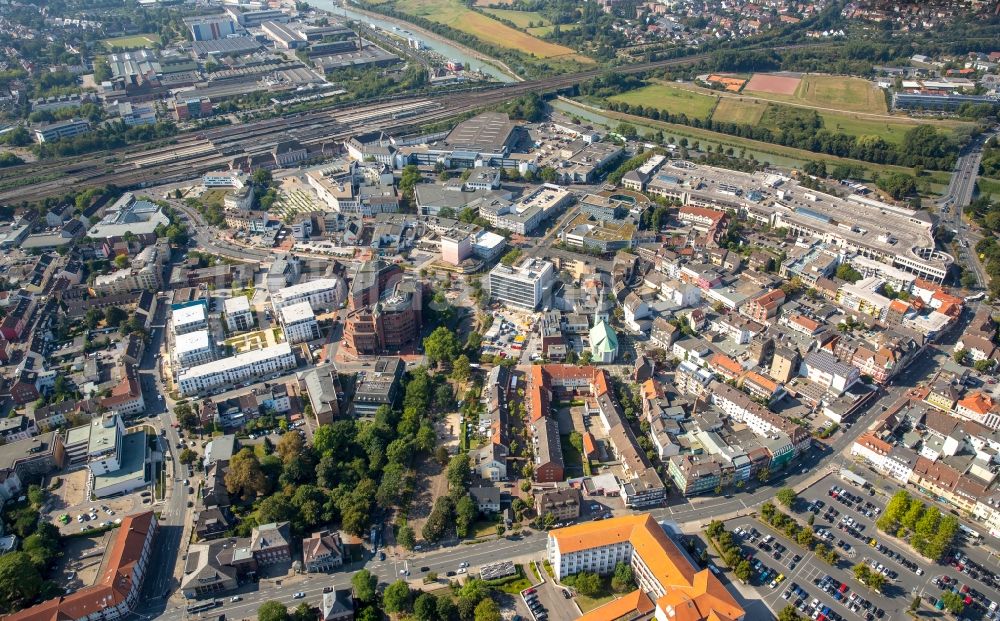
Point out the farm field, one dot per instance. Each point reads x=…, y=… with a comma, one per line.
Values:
x=827, y=91
x=454, y=14
x=732, y=110
x=521, y=19
x=131, y=41
x=672, y=99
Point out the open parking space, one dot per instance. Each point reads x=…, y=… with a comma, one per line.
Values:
x=809, y=583
x=854, y=510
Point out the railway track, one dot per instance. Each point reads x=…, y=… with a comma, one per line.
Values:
x=199, y=152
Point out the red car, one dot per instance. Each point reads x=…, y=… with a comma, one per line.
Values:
x=843, y=587
x=529, y=592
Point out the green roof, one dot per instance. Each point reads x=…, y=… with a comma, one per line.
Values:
x=603, y=339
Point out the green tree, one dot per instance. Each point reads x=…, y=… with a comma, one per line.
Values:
x=789, y=613
x=588, y=584
x=408, y=180
x=272, y=611
x=465, y=514
x=188, y=456
x=848, y=273
x=304, y=612
x=446, y=609
x=960, y=356
x=743, y=571
x=786, y=496
x=487, y=610
x=364, y=583
x=622, y=580
x=187, y=418
x=405, y=537
x=952, y=602
x=245, y=477
x=441, y=346
x=397, y=597
x=425, y=607
x=458, y=472
x=461, y=369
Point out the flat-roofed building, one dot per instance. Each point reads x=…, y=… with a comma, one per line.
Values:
x=521, y=285
x=192, y=348
x=63, y=129
x=524, y=215
x=189, y=319
x=378, y=386
x=299, y=323
x=322, y=294
x=239, y=318
x=243, y=367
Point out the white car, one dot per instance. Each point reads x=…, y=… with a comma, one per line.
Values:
x=461, y=570
x=463, y=564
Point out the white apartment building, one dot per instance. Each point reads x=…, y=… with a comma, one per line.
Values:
x=521, y=285
x=239, y=318
x=299, y=323
x=189, y=319
x=192, y=349
x=321, y=294
x=247, y=366
x=823, y=368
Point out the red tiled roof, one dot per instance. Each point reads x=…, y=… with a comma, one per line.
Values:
x=113, y=587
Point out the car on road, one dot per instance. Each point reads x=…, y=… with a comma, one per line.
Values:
x=461, y=570
x=235, y=598
x=298, y=595
x=463, y=564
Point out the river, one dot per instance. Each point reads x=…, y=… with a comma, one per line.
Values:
x=435, y=43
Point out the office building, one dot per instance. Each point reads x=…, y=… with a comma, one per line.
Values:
x=521, y=285
x=63, y=129
x=389, y=324
x=666, y=579
x=378, y=386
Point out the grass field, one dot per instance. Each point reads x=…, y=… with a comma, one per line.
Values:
x=827, y=91
x=732, y=110
x=452, y=13
x=989, y=187
x=521, y=19
x=763, y=149
x=132, y=41
x=672, y=99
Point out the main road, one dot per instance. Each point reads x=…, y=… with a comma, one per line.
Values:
x=961, y=188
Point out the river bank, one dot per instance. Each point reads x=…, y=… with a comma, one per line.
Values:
x=446, y=47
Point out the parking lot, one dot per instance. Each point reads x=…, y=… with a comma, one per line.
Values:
x=854, y=521
x=845, y=521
